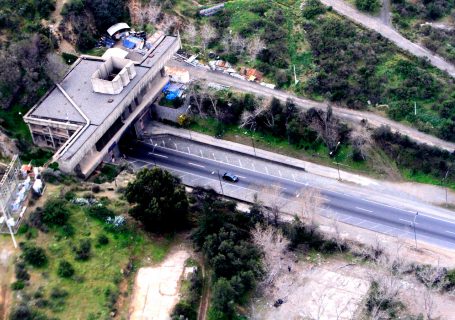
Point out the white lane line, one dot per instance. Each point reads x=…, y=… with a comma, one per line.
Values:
x=279, y=172
x=227, y=160
x=240, y=162
x=213, y=154
x=196, y=165
x=242, y=177
x=450, y=232
x=252, y=164
x=158, y=155
x=267, y=170
x=189, y=152
x=202, y=156
x=175, y=144
x=408, y=221
x=293, y=177
x=359, y=208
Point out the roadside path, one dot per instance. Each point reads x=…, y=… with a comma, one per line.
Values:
x=346, y=114
x=388, y=32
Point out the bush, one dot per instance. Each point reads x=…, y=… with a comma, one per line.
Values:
x=185, y=310
x=100, y=212
x=84, y=249
x=33, y=255
x=21, y=271
x=18, y=285
x=102, y=240
x=368, y=5
x=65, y=269
x=55, y=212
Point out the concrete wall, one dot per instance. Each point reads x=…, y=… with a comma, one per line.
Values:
x=99, y=80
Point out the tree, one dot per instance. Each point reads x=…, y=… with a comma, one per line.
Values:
x=274, y=246
x=56, y=212
x=84, y=249
x=310, y=202
x=223, y=296
x=65, y=269
x=254, y=46
x=159, y=199
x=55, y=67
x=208, y=33
x=274, y=200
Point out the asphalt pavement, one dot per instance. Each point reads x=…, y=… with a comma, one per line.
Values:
x=202, y=168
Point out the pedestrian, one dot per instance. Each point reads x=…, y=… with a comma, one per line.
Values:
x=289, y=268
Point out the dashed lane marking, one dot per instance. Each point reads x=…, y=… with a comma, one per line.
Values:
x=196, y=165
x=366, y=210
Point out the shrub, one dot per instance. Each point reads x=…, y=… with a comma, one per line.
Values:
x=33, y=255
x=100, y=212
x=18, y=285
x=65, y=269
x=185, y=310
x=102, y=240
x=55, y=212
x=84, y=249
x=21, y=271
x=96, y=189
x=368, y=5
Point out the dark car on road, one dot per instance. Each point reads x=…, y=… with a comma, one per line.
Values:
x=230, y=177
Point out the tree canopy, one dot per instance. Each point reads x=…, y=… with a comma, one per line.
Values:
x=159, y=199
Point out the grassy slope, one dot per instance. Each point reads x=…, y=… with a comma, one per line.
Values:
x=101, y=272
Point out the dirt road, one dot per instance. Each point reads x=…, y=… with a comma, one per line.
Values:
x=345, y=114
x=388, y=32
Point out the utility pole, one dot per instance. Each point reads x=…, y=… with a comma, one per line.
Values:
x=336, y=161
x=153, y=153
x=219, y=179
x=252, y=142
x=415, y=232
x=443, y=182
x=415, y=108
x=295, y=77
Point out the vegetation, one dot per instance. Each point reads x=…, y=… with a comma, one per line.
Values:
x=190, y=292
x=223, y=236
x=368, y=5
x=92, y=283
x=159, y=200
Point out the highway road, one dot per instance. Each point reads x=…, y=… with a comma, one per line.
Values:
x=348, y=208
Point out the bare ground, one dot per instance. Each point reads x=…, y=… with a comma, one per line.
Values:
x=156, y=289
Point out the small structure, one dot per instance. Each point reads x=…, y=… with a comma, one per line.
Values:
x=115, y=52
x=113, y=75
x=177, y=74
x=212, y=10
x=118, y=30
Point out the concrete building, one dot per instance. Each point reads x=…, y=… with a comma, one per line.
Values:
x=85, y=115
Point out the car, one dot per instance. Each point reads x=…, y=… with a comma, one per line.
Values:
x=230, y=177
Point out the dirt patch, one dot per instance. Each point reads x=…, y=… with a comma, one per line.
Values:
x=329, y=294
x=6, y=276
x=156, y=288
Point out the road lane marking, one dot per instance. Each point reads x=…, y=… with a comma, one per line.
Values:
x=408, y=221
x=240, y=162
x=160, y=155
x=241, y=177
x=450, y=232
x=196, y=165
x=202, y=156
x=189, y=152
x=213, y=154
x=267, y=170
x=359, y=208
x=279, y=172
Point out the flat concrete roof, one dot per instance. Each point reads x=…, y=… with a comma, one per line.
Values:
x=96, y=106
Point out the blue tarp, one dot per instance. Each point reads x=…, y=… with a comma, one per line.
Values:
x=166, y=86
x=171, y=96
x=128, y=44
